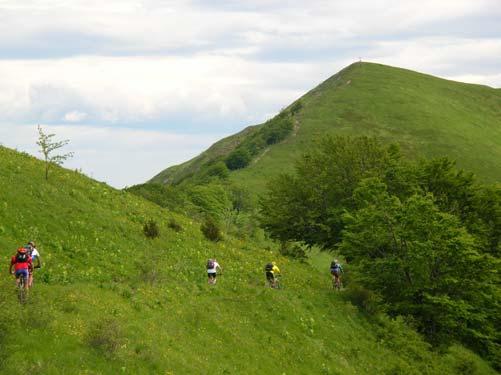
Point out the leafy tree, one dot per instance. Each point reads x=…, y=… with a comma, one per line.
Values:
x=456, y=191
x=47, y=146
x=308, y=206
x=238, y=159
x=424, y=263
x=219, y=170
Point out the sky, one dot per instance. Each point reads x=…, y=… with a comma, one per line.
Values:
x=139, y=85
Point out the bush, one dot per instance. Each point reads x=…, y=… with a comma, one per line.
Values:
x=363, y=298
x=105, y=336
x=238, y=159
x=211, y=230
x=219, y=170
x=466, y=366
x=150, y=229
x=174, y=225
x=292, y=250
x=296, y=107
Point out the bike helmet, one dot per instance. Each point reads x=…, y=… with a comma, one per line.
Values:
x=274, y=263
x=31, y=243
x=22, y=250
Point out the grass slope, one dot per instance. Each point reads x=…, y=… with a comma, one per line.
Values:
x=109, y=301
x=427, y=116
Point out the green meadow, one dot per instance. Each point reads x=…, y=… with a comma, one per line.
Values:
x=109, y=301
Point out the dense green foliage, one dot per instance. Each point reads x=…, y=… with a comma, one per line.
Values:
x=418, y=234
x=109, y=301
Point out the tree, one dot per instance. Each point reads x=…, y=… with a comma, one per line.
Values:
x=238, y=159
x=308, y=206
x=47, y=146
x=424, y=264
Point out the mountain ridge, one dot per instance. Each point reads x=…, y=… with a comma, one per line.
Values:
x=426, y=115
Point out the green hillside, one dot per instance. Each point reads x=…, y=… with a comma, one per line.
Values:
x=110, y=301
x=427, y=116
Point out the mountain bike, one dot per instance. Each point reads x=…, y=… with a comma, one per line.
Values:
x=275, y=284
x=336, y=282
x=22, y=292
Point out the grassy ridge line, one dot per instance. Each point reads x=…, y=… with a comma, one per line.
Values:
x=109, y=301
x=426, y=115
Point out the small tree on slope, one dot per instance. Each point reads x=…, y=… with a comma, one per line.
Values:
x=47, y=146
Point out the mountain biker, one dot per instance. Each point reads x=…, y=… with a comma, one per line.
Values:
x=272, y=272
x=212, y=266
x=35, y=256
x=336, y=271
x=22, y=265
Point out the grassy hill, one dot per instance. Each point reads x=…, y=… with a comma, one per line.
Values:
x=110, y=301
x=427, y=116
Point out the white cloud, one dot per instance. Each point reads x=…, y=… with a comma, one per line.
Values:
x=189, y=65
x=443, y=56
x=74, y=116
x=142, y=89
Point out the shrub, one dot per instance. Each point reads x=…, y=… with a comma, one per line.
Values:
x=466, y=366
x=151, y=230
x=238, y=159
x=292, y=250
x=363, y=298
x=174, y=225
x=105, y=336
x=296, y=107
x=218, y=169
x=211, y=230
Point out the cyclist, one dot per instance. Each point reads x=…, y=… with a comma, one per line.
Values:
x=212, y=266
x=35, y=256
x=22, y=265
x=336, y=271
x=272, y=272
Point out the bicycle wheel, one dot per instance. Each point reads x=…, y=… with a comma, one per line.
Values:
x=21, y=292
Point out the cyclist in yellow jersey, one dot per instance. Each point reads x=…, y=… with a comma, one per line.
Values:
x=272, y=271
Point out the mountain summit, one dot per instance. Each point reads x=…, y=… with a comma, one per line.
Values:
x=426, y=115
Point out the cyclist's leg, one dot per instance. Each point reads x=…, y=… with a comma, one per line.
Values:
x=338, y=282
x=20, y=274
x=269, y=279
x=274, y=282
